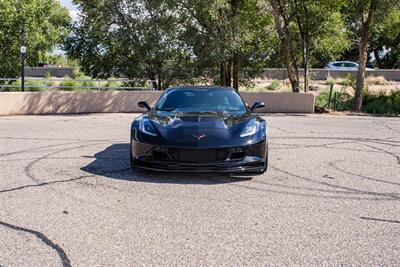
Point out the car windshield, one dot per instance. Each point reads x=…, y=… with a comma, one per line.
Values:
x=211, y=100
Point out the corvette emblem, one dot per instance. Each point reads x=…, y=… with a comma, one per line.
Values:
x=199, y=137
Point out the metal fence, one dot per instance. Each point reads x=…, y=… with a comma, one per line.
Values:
x=64, y=84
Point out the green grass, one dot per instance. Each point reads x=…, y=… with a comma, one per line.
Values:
x=372, y=103
x=17, y=86
x=381, y=103
x=111, y=83
x=69, y=82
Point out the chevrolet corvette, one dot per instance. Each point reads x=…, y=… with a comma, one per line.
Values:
x=200, y=129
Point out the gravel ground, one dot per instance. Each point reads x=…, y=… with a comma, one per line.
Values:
x=330, y=198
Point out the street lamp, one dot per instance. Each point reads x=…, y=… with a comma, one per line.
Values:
x=23, y=55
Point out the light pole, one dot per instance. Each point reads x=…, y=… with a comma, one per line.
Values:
x=23, y=54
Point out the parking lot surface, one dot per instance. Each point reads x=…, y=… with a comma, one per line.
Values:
x=331, y=197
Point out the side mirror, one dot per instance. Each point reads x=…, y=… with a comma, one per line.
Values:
x=257, y=105
x=144, y=104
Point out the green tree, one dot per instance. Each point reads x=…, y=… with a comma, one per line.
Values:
x=136, y=39
x=170, y=41
x=362, y=16
x=385, y=40
x=230, y=37
x=46, y=21
x=309, y=31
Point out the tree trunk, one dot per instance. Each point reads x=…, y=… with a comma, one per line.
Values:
x=222, y=73
x=363, y=54
x=235, y=72
x=153, y=80
x=286, y=46
x=159, y=82
x=229, y=73
x=306, y=62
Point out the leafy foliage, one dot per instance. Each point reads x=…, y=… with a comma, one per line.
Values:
x=46, y=21
x=382, y=103
x=169, y=41
x=373, y=103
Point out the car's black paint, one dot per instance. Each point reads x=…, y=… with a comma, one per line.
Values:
x=257, y=105
x=200, y=133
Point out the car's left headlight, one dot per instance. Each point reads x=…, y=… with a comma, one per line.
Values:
x=147, y=127
x=251, y=128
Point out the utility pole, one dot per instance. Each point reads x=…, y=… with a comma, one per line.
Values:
x=23, y=54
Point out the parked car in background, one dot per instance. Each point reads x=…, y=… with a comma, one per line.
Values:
x=343, y=65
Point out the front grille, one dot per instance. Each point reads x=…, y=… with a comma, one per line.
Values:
x=198, y=155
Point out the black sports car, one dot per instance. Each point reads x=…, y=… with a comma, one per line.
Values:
x=200, y=129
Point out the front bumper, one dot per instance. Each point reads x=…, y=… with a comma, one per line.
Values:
x=253, y=161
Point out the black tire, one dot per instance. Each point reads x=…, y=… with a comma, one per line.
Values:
x=266, y=157
x=260, y=172
x=131, y=158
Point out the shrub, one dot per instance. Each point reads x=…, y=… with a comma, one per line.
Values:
x=342, y=99
x=349, y=81
x=68, y=82
x=322, y=99
x=87, y=82
x=379, y=80
x=36, y=84
x=112, y=83
x=275, y=84
x=381, y=103
x=372, y=103
x=16, y=86
x=330, y=81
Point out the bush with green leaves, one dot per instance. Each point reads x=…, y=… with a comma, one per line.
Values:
x=382, y=103
x=68, y=83
x=322, y=99
x=275, y=84
x=330, y=81
x=341, y=101
x=372, y=103
x=111, y=82
x=349, y=81
x=36, y=86
x=86, y=82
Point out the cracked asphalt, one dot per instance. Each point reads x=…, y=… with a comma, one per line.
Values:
x=331, y=197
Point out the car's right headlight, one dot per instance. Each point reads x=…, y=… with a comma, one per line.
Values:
x=147, y=127
x=251, y=128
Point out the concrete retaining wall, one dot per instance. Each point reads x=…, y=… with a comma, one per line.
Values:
x=323, y=74
x=36, y=103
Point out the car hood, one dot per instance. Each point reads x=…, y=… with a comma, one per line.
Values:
x=199, y=129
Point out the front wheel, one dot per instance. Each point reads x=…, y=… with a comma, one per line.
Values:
x=131, y=158
x=266, y=157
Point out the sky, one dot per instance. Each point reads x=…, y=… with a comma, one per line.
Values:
x=73, y=12
x=68, y=4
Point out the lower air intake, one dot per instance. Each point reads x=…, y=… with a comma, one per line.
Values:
x=198, y=155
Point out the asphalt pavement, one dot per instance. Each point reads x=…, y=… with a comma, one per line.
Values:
x=331, y=197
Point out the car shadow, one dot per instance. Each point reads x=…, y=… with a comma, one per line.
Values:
x=113, y=162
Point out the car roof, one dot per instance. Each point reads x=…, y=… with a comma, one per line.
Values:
x=342, y=62
x=212, y=87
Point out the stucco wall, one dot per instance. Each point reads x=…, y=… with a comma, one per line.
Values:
x=34, y=103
